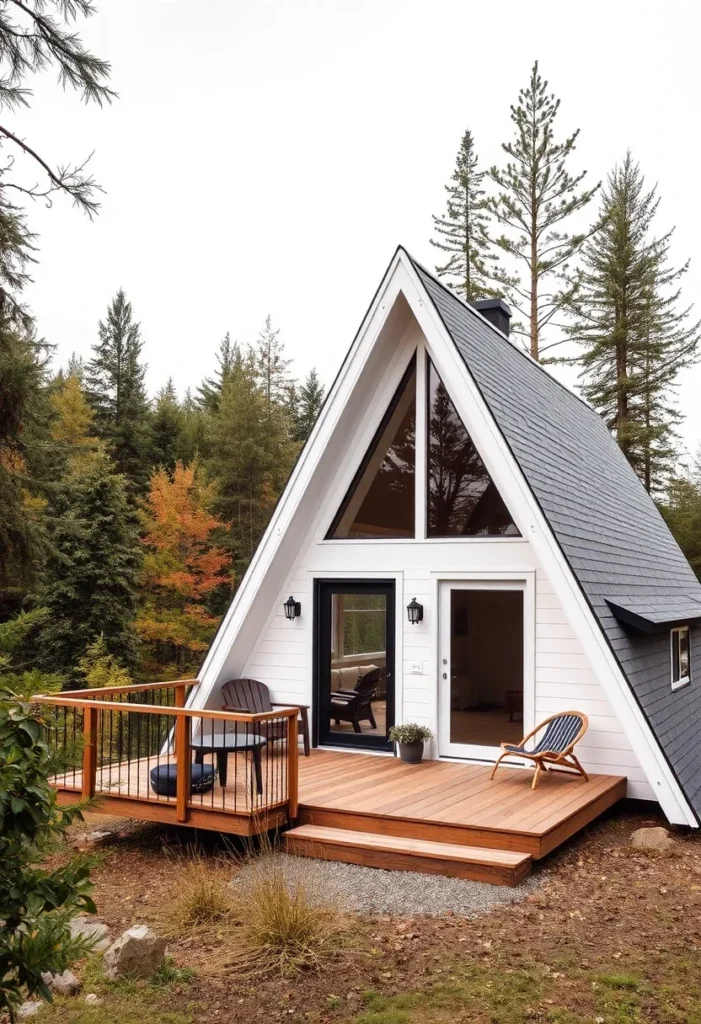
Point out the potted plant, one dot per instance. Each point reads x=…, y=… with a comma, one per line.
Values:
x=411, y=738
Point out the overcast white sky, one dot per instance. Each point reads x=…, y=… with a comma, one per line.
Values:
x=269, y=155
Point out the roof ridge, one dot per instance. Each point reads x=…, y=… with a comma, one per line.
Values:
x=517, y=348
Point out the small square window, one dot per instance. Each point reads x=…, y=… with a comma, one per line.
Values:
x=681, y=657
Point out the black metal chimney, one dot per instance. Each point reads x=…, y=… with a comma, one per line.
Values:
x=496, y=311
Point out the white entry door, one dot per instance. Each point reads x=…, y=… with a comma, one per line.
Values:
x=482, y=678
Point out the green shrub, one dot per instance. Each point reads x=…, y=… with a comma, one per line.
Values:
x=35, y=905
x=410, y=733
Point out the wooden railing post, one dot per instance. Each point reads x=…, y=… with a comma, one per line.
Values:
x=292, y=766
x=182, y=760
x=180, y=695
x=90, y=720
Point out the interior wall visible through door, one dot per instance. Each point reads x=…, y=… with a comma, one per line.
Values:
x=486, y=667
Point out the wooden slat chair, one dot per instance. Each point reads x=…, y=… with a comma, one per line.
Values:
x=562, y=732
x=252, y=696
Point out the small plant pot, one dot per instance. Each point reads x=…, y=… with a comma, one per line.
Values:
x=411, y=753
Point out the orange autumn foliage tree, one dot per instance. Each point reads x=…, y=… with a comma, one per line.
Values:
x=183, y=567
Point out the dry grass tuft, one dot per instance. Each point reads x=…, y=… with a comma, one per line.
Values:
x=286, y=924
x=201, y=893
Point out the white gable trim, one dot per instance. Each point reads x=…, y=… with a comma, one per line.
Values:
x=530, y=520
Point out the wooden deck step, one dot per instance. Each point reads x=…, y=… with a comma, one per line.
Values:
x=499, y=867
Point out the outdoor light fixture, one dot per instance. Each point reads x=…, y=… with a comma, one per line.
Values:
x=415, y=611
x=292, y=608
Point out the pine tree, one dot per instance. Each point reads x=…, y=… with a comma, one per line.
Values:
x=167, y=428
x=72, y=427
x=25, y=451
x=682, y=512
x=183, y=569
x=35, y=37
x=195, y=435
x=251, y=457
x=634, y=335
x=228, y=357
x=308, y=399
x=91, y=576
x=537, y=194
x=115, y=384
x=463, y=228
x=271, y=366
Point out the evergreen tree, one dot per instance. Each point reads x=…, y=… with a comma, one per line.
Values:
x=115, y=384
x=90, y=580
x=682, y=512
x=634, y=335
x=271, y=366
x=308, y=399
x=167, y=426
x=195, y=433
x=251, y=457
x=72, y=427
x=462, y=230
x=537, y=194
x=228, y=357
x=22, y=378
x=34, y=37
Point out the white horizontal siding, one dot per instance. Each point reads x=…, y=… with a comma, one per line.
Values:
x=564, y=681
x=281, y=658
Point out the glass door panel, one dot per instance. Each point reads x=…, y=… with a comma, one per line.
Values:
x=354, y=687
x=481, y=670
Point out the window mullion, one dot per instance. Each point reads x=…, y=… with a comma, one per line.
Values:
x=420, y=473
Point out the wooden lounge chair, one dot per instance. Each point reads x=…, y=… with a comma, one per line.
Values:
x=562, y=731
x=252, y=696
x=355, y=706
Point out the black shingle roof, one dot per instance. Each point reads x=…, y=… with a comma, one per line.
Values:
x=606, y=524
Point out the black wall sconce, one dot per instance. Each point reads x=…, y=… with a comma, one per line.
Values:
x=415, y=611
x=292, y=608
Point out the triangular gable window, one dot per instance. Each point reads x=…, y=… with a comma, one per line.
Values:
x=462, y=498
x=380, y=502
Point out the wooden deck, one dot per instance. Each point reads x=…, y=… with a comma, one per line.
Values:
x=435, y=801
x=437, y=816
x=451, y=803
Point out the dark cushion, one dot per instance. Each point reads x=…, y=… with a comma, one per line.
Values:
x=164, y=778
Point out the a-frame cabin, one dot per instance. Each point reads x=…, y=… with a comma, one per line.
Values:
x=461, y=545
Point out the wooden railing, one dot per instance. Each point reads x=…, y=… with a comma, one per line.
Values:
x=138, y=743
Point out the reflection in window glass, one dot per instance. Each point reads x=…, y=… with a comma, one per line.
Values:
x=681, y=659
x=380, y=502
x=462, y=498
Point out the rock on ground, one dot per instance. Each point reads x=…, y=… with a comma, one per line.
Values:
x=89, y=928
x=65, y=984
x=657, y=840
x=29, y=1008
x=92, y=999
x=138, y=953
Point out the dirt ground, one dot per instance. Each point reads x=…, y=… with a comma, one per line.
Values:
x=613, y=936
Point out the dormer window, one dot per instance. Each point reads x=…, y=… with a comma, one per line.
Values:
x=681, y=659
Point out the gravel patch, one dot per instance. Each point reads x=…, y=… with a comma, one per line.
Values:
x=397, y=893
